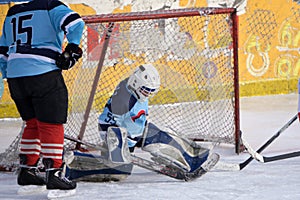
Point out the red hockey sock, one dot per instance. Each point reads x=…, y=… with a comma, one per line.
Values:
x=52, y=139
x=30, y=142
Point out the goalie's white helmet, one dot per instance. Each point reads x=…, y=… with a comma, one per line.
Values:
x=144, y=82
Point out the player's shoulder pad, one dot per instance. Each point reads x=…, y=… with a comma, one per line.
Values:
x=34, y=5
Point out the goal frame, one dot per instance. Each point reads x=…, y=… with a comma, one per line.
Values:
x=163, y=14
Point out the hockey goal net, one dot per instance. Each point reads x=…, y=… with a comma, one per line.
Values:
x=195, y=52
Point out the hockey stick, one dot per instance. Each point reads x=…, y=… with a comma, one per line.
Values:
x=240, y=166
x=291, y=121
x=265, y=159
x=73, y=139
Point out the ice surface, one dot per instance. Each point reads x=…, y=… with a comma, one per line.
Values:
x=261, y=118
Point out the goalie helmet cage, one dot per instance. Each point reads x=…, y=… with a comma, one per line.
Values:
x=196, y=54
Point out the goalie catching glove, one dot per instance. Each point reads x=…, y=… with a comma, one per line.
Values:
x=69, y=57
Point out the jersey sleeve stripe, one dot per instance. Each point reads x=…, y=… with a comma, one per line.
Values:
x=68, y=20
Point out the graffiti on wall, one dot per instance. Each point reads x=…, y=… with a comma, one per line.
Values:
x=261, y=26
x=288, y=63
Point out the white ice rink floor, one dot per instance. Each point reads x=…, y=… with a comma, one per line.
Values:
x=261, y=118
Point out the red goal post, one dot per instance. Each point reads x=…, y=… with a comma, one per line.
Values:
x=196, y=53
x=194, y=50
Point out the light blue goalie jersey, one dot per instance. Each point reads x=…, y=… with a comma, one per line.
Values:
x=124, y=110
x=32, y=37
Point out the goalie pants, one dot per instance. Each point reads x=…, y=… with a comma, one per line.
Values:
x=42, y=102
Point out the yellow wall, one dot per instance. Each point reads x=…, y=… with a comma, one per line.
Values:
x=269, y=45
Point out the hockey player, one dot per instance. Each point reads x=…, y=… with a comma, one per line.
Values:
x=127, y=109
x=32, y=60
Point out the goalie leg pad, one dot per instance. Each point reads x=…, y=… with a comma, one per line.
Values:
x=171, y=147
x=118, y=151
x=91, y=166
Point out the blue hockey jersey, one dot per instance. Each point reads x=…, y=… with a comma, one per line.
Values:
x=124, y=110
x=33, y=34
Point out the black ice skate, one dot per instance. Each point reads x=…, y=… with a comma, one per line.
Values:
x=30, y=176
x=58, y=185
x=55, y=179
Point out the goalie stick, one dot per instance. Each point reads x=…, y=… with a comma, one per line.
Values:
x=240, y=166
x=171, y=170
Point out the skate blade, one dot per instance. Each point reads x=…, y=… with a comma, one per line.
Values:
x=31, y=189
x=55, y=194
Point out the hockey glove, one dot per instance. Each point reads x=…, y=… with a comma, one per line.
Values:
x=69, y=57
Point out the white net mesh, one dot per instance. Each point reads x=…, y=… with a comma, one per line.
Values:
x=193, y=51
